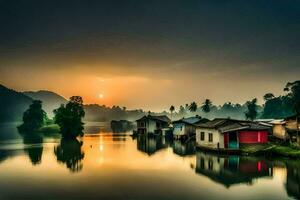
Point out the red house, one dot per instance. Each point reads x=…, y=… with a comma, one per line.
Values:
x=230, y=134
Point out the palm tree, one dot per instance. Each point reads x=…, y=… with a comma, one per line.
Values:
x=206, y=105
x=172, y=108
x=193, y=107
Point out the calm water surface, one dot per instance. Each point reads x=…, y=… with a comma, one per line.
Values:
x=103, y=165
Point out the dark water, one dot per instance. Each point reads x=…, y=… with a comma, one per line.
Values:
x=103, y=165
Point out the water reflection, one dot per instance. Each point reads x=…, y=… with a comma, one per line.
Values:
x=293, y=179
x=115, y=161
x=230, y=170
x=151, y=144
x=69, y=152
x=34, y=147
x=184, y=148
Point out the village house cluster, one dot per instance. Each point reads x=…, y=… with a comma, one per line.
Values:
x=221, y=134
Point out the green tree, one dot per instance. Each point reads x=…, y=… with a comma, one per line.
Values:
x=33, y=118
x=251, y=112
x=206, y=105
x=293, y=89
x=172, y=108
x=69, y=118
x=193, y=107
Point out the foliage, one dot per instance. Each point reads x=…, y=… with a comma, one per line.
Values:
x=34, y=117
x=193, y=107
x=206, y=106
x=251, y=112
x=172, y=108
x=283, y=106
x=268, y=96
x=69, y=118
x=182, y=111
x=278, y=108
x=293, y=89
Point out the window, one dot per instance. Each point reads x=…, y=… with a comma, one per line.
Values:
x=210, y=137
x=202, y=136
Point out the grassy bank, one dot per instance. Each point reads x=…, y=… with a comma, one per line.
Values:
x=272, y=149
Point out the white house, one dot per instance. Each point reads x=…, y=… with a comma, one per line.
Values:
x=152, y=124
x=186, y=127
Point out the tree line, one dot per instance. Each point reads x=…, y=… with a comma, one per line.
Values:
x=273, y=108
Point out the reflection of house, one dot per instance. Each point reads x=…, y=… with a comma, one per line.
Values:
x=229, y=134
x=185, y=127
x=121, y=126
x=151, y=144
x=230, y=170
x=152, y=124
x=184, y=148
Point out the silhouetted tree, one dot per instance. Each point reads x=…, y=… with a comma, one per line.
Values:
x=193, y=107
x=268, y=96
x=182, y=111
x=69, y=118
x=69, y=152
x=33, y=118
x=206, y=105
x=172, y=108
x=251, y=112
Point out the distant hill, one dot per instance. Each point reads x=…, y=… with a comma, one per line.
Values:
x=50, y=100
x=12, y=104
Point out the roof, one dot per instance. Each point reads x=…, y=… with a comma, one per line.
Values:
x=214, y=123
x=228, y=125
x=292, y=117
x=191, y=120
x=162, y=118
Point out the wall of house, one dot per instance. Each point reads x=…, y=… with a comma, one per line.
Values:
x=179, y=129
x=190, y=130
x=208, y=162
x=279, y=131
x=292, y=124
x=249, y=137
x=217, y=138
x=151, y=126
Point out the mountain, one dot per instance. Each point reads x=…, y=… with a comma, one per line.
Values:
x=12, y=104
x=50, y=100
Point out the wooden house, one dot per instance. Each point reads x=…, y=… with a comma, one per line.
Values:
x=186, y=127
x=292, y=125
x=228, y=134
x=278, y=127
x=152, y=124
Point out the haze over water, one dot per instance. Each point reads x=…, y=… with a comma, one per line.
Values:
x=118, y=166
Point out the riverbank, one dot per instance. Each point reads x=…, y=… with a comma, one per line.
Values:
x=272, y=149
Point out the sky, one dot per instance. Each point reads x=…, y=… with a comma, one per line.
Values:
x=150, y=54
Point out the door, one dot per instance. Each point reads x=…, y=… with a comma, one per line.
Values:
x=233, y=142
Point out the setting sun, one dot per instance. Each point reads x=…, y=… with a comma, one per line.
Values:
x=101, y=96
